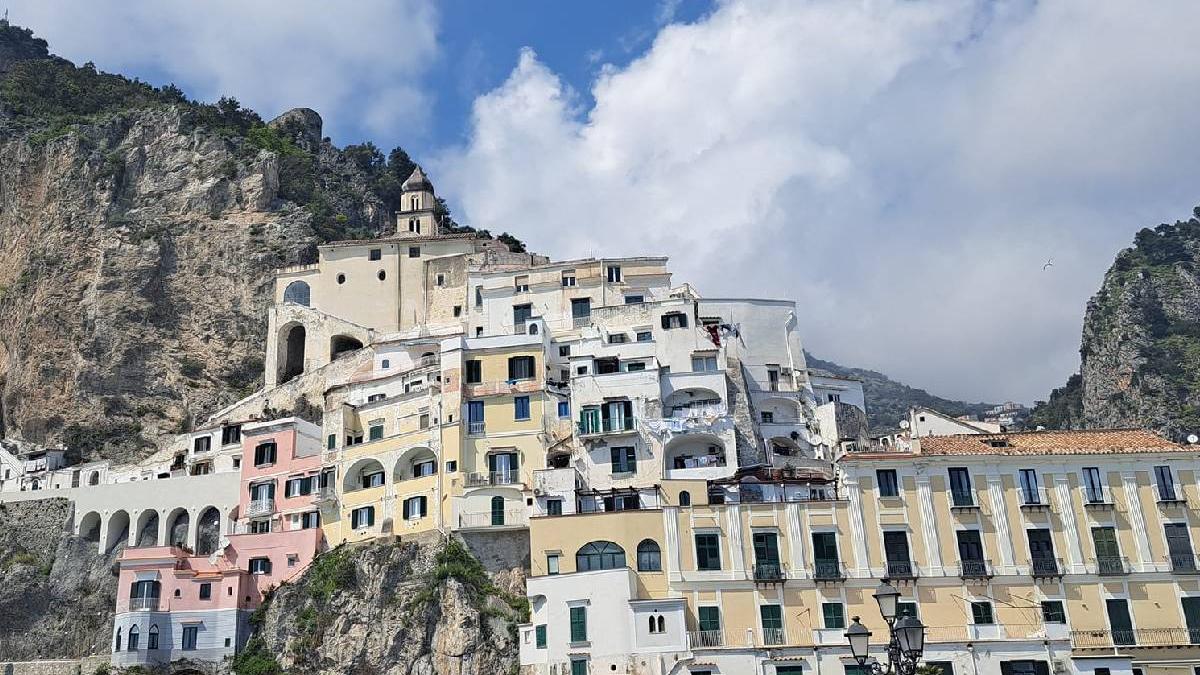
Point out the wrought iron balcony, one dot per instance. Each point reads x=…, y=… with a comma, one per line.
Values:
x=975, y=569
x=260, y=507
x=1184, y=563
x=901, y=569
x=608, y=425
x=829, y=570
x=1035, y=499
x=769, y=572
x=962, y=500
x=506, y=477
x=149, y=603
x=701, y=639
x=1141, y=637
x=1111, y=565
x=774, y=636
x=1097, y=499
x=1045, y=568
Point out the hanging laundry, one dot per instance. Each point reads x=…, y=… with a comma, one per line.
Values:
x=714, y=333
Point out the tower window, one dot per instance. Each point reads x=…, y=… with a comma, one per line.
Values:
x=414, y=251
x=375, y=254
x=614, y=274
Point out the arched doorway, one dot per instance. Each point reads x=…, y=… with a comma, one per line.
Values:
x=147, y=528
x=89, y=527
x=177, y=527
x=208, y=531
x=340, y=344
x=293, y=353
x=117, y=531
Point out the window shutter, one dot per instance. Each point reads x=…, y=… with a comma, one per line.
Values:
x=370, y=515
x=1006, y=668
x=424, y=506
x=1041, y=668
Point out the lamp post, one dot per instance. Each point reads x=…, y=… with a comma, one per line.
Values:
x=906, y=637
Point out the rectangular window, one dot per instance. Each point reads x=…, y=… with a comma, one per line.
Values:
x=568, y=278
x=520, y=407
x=362, y=517
x=564, y=351
x=310, y=520
x=581, y=308
x=899, y=562
x=375, y=431
x=1119, y=621
x=539, y=636
x=423, y=421
x=414, y=251
x=474, y=374
x=1030, y=494
x=645, y=336
x=614, y=274
x=981, y=613
x=579, y=624
x=260, y=526
x=1093, y=485
x=1108, y=552
x=960, y=487
x=906, y=609
x=206, y=591
x=579, y=667
x=375, y=254
x=1179, y=547
x=704, y=364
x=564, y=409
x=260, y=565
x=674, y=320
x=440, y=280
x=372, y=480
x=708, y=552
x=772, y=624
x=624, y=460
x=1053, y=612
x=887, y=483
x=551, y=563
x=264, y=454
x=415, y=507
x=479, y=296
x=709, y=619
x=618, y=339
x=202, y=444
x=834, y=614
x=635, y=299
x=554, y=507
x=1165, y=482
x=475, y=417
x=521, y=284
x=635, y=366
x=190, y=633
x=331, y=441
x=768, y=417
x=520, y=368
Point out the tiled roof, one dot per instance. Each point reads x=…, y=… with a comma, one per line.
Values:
x=1096, y=442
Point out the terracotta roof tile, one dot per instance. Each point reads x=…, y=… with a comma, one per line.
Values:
x=1093, y=442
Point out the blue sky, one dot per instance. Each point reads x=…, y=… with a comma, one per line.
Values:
x=902, y=169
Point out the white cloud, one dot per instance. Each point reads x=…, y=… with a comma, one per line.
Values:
x=357, y=63
x=902, y=169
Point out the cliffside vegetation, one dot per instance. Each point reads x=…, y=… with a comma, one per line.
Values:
x=1140, y=352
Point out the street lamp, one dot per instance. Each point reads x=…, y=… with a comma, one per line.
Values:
x=906, y=637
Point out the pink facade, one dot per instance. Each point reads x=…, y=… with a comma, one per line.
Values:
x=180, y=577
x=296, y=454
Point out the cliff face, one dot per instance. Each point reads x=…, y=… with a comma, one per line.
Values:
x=1140, y=353
x=387, y=607
x=57, y=593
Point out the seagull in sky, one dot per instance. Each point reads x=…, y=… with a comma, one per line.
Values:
x=1048, y=265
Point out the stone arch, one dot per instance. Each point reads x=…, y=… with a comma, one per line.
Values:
x=89, y=526
x=681, y=400
x=785, y=446
x=178, y=523
x=94, y=478
x=297, y=292
x=146, y=531
x=364, y=466
x=410, y=458
x=691, y=451
x=208, y=531
x=291, y=356
x=342, y=344
x=117, y=529
x=783, y=410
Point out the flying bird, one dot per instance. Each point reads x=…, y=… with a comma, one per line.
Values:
x=1048, y=265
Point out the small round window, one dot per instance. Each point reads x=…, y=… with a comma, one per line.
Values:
x=382, y=275
x=341, y=278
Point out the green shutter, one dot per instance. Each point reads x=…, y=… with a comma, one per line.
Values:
x=834, y=614
x=772, y=616
x=376, y=432
x=710, y=618
x=579, y=624
x=539, y=633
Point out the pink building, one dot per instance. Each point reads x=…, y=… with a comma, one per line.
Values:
x=173, y=605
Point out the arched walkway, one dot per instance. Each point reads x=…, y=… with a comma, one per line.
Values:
x=146, y=530
x=178, y=524
x=694, y=400
x=362, y=475
x=340, y=344
x=291, y=357
x=89, y=527
x=117, y=530
x=208, y=531
x=694, y=451
x=415, y=463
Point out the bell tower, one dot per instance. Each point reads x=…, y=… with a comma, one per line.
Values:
x=417, y=201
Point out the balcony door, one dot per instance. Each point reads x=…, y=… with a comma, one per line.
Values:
x=970, y=551
x=1119, y=621
x=1191, y=615
x=825, y=555
x=899, y=562
x=1041, y=547
x=1179, y=546
x=766, y=552
x=1108, y=553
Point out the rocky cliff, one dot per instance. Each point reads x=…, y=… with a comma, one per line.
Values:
x=1140, y=352
x=57, y=593
x=408, y=608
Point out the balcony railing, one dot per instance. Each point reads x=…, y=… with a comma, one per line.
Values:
x=1141, y=637
x=1171, y=495
x=147, y=603
x=1184, y=563
x=769, y=572
x=506, y=477
x=260, y=507
x=701, y=639
x=1097, y=499
x=1111, y=565
x=1035, y=499
x=829, y=570
x=507, y=518
x=608, y=425
x=975, y=569
x=475, y=428
x=962, y=500
x=774, y=636
x=901, y=569
x=1044, y=568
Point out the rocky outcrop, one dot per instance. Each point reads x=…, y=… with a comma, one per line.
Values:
x=427, y=608
x=1140, y=352
x=57, y=593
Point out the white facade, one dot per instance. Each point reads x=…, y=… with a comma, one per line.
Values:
x=830, y=388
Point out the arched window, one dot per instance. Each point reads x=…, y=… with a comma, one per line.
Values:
x=297, y=292
x=118, y=647
x=662, y=624
x=685, y=498
x=94, y=479
x=152, y=639
x=649, y=556
x=599, y=555
x=497, y=510
x=133, y=638
x=653, y=624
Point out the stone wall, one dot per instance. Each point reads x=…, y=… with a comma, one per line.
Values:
x=84, y=666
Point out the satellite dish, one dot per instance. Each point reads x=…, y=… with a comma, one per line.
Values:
x=903, y=424
x=1193, y=438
